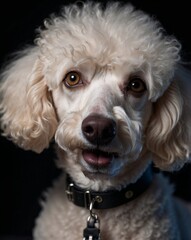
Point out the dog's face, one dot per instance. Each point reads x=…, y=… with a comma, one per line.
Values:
x=103, y=112
x=102, y=82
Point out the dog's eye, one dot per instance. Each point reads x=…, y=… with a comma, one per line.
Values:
x=72, y=79
x=136, y=85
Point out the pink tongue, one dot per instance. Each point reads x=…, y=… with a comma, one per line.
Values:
x=96, y=157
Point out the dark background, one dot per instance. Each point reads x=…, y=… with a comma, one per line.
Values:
x=23, y=174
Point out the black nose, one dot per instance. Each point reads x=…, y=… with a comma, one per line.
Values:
x=98, y=130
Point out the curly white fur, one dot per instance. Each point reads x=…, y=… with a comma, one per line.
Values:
x=108, y=48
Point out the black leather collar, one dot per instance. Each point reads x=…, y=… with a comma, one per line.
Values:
x=108, y=199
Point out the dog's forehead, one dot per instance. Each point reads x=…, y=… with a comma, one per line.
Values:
x=106, y=50
x=100, y=51
x=110, y=38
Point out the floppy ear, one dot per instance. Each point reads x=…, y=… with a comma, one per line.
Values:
x=169, y=130
x=27, y=114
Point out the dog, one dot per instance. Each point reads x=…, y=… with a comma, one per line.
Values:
x=107, y=85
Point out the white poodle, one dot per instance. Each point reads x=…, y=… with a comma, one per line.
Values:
x=107, y=85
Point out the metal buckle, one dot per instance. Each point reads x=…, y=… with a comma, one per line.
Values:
x=69, y=192
x=87, y=199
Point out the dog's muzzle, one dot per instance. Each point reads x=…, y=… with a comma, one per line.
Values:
x=99, y=131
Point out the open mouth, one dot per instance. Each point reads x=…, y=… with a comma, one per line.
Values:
x=98, y=158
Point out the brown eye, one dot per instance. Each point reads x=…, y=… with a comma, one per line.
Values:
x=136, y=85
x=72, y=79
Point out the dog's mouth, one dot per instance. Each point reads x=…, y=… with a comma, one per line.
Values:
x=98, y=158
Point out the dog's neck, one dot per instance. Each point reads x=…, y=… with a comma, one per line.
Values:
x=108, y=199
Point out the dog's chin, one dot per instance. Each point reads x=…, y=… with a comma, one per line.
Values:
x=99, y=164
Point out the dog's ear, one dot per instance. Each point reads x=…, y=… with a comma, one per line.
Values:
x=27, y=113
x=169, y=130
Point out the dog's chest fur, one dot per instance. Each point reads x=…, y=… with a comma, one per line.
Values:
x=152, y=216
